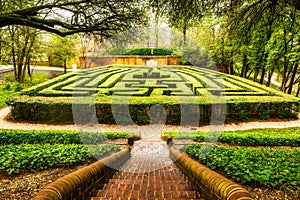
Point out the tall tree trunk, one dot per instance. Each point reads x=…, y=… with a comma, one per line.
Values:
x=295, y=69
x=14, y=60
x=245, y=67
x=22, y=58
x=263, y=73
x=270, y=74
x=298, y=90
x=65, y=66
x=156, y=28
x=256, y=74
x=184, y=36
x=231, y=67
x=284, y=75
x=285, y=63
x=28, y=67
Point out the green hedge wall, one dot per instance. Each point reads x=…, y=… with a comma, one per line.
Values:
x=179, y=89
x=255, y=137
x=150, y=52
x=16, y=137
x=26, y=108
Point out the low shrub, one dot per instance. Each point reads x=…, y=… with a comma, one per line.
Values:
x=16, y=137
x=27, y=158
x=150, y=52
x=255, y=137
x=264, y=167
x=3, y=95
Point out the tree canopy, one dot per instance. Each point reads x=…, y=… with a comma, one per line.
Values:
x=67, y=17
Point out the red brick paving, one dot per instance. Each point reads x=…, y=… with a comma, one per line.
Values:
x=148, y=175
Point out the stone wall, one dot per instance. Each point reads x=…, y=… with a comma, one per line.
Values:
x=91, y=62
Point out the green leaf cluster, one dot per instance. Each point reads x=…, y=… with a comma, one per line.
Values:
x=16, y=137
x=150, y=52
x=15, y=159
x=254, y=137
x=265, y=167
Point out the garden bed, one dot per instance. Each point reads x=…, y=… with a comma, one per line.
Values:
x=23, y=151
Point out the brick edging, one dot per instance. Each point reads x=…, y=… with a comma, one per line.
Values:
x=82, y=182
x=210, y=184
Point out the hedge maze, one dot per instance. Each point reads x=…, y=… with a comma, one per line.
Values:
x=139, y=87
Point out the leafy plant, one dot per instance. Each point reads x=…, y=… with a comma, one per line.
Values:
x=254, y=137
x=15, y=159
x=16, y=137
x=150, y=52
x=266, y=167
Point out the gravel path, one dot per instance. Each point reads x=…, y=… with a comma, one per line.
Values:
x=6, y=124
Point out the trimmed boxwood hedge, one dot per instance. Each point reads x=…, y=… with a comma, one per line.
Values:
x=150, y=52
x=54, y=100
x=16, y=137
x=254, y=137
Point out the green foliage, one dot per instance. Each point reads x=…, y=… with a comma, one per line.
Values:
x=16, y=137
x=8, y=77
x=53, y=100
x=16, y=159
x=9, y=85
x=36, y=78
x=255, y=137
x=62, y=49
x=266, y=167
x=3, y=95
x=192, y=54
x=150, y=52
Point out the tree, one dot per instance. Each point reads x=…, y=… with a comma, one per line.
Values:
x=62, y=49
x=20, y=42
x=102, y=18
x=183, y=15
x=67, y=17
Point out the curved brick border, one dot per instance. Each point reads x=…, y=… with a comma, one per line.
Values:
x=82, y=182
x=210, y=184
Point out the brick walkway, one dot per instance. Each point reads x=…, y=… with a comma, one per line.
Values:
x=149, y=174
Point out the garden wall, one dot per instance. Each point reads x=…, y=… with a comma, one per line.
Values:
x=91, y=62
x=210, y=184
x=81, y=183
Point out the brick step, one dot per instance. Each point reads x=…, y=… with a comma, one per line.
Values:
x=141, y=176
x=126, y=198
x=144, y=194
x=152, y=180
x=158, y=187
